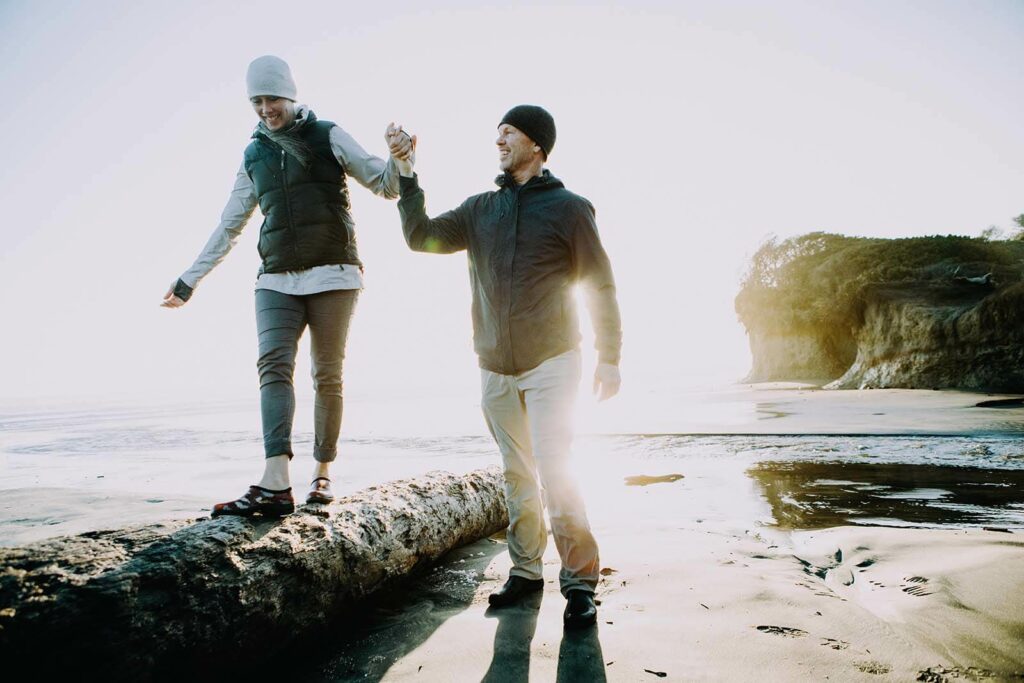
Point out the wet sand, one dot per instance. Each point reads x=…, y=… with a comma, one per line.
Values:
x=776, y=572
x=762, y=557
x=799, y=408
x=86, y=468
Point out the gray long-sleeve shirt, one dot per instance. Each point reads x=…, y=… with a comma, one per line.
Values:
x=375, y=174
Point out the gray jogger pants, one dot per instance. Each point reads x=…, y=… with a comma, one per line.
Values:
x=280, y=322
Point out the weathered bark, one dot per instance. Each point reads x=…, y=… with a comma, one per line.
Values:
x=138, y=602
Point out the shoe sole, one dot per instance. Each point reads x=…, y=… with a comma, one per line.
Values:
x=266, y=511
x=318, y=500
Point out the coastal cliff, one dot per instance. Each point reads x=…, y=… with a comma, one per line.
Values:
x=798, y=355
x=920, y=313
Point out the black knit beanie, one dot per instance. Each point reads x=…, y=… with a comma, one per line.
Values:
x=536, y=122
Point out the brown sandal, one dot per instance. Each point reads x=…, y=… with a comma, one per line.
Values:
x=320, y=491
x=258, y=500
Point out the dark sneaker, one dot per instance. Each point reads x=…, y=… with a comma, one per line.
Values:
x=515, y=589
x=580, y=610
x=258, y=501
x=320, y=491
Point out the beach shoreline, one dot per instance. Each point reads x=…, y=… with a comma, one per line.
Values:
x=857, y=554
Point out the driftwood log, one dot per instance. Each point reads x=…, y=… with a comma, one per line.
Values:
x=138, y=603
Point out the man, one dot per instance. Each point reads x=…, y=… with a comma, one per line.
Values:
x=529, y=242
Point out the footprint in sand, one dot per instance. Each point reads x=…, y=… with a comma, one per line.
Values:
x=919, y=586
x=835, y=644
x=874, y=668
x=941, y=674
x=782, y=631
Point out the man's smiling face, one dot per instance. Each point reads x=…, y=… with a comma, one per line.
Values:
x=515, y=149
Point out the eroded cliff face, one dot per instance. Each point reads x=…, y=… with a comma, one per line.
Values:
x=791, y=355
x=928, y=336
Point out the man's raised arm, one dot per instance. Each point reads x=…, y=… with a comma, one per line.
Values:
x=444, y=234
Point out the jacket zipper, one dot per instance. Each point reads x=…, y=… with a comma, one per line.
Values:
x=288, y=208
x=511, y=270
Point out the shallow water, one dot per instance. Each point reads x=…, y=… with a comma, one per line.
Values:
x=71, y=470
x=817, y=495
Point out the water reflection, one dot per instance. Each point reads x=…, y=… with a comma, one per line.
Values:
x=814, y=495
x=365, y=644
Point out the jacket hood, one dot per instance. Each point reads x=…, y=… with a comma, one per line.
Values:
x=544, y=180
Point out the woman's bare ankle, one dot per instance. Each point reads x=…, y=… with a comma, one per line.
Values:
x=275, y=473
x=322, y=469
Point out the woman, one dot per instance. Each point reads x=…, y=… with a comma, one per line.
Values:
x=295, y=169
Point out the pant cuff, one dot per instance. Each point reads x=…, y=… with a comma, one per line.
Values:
x=524, y=574
x=278, y=447
x=586, y=586
x=324, y=455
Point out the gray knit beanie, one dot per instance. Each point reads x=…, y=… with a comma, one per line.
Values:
x=269, y=75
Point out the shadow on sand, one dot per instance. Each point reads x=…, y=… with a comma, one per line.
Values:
x=579, y=655
x=510, y=662
x=364, y=646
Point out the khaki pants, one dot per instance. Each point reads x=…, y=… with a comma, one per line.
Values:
x=530, y=416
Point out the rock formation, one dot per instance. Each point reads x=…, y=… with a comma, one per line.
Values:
x=936, y=337
x=798, y=355
x=921, y=313
x=140, y=603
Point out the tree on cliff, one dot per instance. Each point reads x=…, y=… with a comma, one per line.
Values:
x=817, y=282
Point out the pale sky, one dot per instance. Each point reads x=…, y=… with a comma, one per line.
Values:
x=695, y=128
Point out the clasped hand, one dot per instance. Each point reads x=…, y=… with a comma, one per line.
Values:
x=402, y=147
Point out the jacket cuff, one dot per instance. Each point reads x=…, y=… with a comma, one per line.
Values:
x=407, y=186
x=182, y=291
x=607, y=358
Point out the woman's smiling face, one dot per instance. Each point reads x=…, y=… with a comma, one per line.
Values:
x=274, y=112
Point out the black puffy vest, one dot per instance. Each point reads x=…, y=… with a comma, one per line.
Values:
x=306, y=210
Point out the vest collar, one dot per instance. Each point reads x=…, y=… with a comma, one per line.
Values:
x=303, y=115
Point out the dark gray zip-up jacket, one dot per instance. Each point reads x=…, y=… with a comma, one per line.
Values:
x=527, y=246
